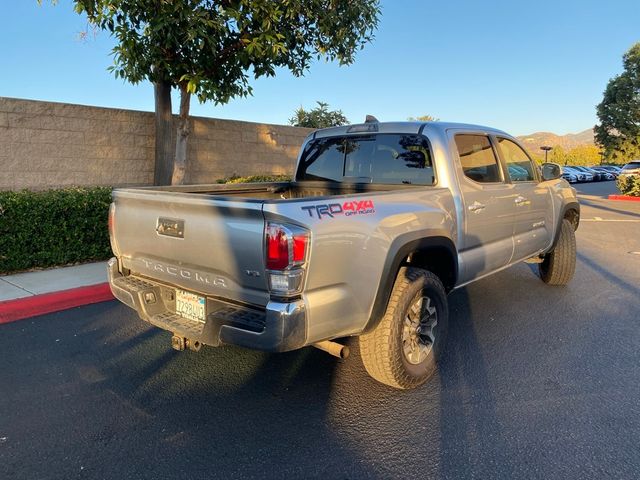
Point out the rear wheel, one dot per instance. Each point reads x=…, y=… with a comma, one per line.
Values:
x=559, y=265
x=403, y=350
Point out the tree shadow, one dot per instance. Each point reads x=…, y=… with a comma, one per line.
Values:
x=599, y=206
x=611, y=278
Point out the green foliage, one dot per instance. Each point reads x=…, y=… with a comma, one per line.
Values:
x=319, y=117
x=212, y=47
x=423, y=118
x=581, y=155
x=54, y=227
x=619, y=112
x=629, y=185
x=256, y=178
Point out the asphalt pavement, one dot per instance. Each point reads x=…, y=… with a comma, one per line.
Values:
x=536, y=382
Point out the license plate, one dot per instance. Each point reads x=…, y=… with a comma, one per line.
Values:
x=191, y=306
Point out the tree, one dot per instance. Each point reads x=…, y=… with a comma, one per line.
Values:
x=584, y=155
x=423, y=118
x=558, y=155
x=619, y=112
x=212, y=48
x=319, y=117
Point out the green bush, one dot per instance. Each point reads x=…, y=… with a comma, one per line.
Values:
x=629, y=185
x=61, y=227
x=54, y=227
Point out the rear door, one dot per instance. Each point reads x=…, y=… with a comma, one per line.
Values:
x=533, y=221
x=489, y=207
x=193, y=241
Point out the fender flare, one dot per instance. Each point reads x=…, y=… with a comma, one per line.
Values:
x=569, y=206
x=400, y=248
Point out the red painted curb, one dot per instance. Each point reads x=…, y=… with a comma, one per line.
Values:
x=21, y=308
x=628, y=198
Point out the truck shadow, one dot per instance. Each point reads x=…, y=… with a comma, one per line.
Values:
x=470, y=429
x=225, y=402
x=239, y=413
x=252, y=413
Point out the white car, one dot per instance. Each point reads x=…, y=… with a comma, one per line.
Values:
x=631, y=168
x=570, y=177
x=580, y=175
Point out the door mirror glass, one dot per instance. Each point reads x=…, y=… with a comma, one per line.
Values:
x=551, y=171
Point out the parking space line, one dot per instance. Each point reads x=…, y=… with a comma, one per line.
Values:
x=598, y=219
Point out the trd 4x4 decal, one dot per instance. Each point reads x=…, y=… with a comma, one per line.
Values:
x=359, y=207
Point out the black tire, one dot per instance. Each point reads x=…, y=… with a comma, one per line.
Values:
x=383, y=349
x=559, y=265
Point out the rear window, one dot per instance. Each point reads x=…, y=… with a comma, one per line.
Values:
x=382, y=158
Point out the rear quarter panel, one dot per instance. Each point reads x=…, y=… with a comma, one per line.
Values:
x=348, y=249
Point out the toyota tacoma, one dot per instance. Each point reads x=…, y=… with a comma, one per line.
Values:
x=379, y=223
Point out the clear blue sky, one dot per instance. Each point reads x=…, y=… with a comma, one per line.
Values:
x=517, y=65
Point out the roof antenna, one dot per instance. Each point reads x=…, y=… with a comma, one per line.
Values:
x=371, y=119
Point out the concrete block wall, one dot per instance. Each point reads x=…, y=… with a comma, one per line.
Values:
x=48, y=145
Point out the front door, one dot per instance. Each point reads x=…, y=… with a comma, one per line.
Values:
x=533, y=218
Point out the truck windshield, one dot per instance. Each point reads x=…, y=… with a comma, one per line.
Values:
x=380, y=158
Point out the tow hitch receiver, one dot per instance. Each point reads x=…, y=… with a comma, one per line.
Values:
x=181, y=343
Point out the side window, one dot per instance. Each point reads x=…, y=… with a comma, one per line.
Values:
x=479, y=163
x=518, y=163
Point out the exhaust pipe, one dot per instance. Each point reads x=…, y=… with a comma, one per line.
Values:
x=333, y=348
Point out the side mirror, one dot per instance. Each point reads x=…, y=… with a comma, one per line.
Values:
x=551, y=171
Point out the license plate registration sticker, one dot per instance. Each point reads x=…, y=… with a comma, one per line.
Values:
x=191, y=306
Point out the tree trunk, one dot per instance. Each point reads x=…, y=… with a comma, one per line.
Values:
x=184, y=129
x=164, y=128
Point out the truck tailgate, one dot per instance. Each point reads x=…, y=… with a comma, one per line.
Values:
x=195, y=242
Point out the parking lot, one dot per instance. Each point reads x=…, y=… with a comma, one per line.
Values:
x=537, y=382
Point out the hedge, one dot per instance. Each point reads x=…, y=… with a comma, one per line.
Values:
x=62, y=227
x=54, y=227
x=629, y=185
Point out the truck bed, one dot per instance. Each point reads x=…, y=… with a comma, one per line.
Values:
x=273, y=190
x=210, y=238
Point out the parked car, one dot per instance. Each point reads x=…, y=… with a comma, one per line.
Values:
x=597, y=176
x=604, y=175
x=613, y=169
x=582, y=176
x=609, y=175
x=380, y=223
x=569, y=177
x=631, y=168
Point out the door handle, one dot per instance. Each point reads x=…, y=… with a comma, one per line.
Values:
x=476, y=207
x=520, y=200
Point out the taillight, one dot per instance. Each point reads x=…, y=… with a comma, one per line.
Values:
x=286, y=249
x=277, y=247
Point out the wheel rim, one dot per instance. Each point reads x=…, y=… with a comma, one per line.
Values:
x=418, y=332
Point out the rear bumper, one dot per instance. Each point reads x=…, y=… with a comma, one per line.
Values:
x=279, y=327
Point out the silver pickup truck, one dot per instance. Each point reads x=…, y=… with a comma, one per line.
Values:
x=381, y=221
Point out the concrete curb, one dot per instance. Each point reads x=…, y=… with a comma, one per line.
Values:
x=627, y=198
x=26, y=307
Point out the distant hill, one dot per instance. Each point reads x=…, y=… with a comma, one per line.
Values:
x=536, y=140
